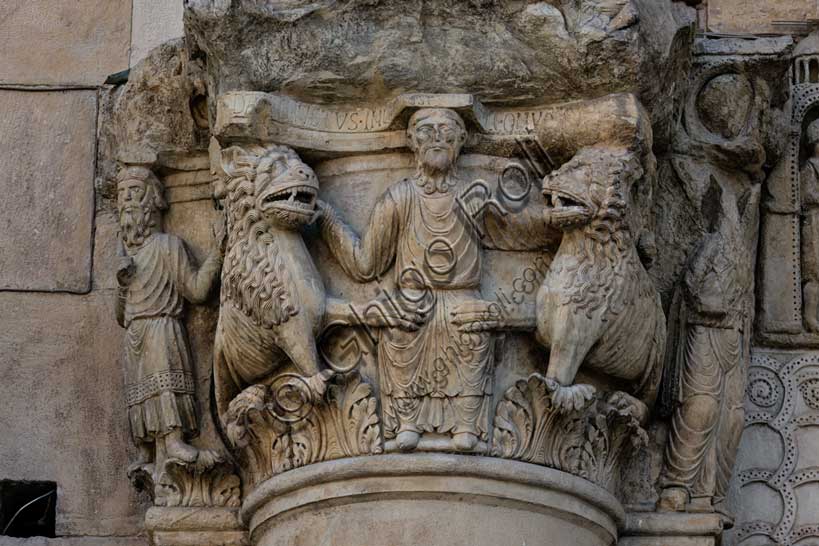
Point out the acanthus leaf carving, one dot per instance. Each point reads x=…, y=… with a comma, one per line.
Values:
x=209, y=482
x=588, y=442
x=272, y=435
x=347, y=425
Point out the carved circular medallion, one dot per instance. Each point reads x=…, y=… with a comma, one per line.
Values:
x=810, y=393
x=764, y=388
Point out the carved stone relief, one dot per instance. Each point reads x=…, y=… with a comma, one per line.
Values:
x=427, y=379
x=422, y=270
x=789, y=300
x=717, y=159
x=776, y=472
x=588, y=439
x=156, y=276
x=281, y=427
x=435, y=370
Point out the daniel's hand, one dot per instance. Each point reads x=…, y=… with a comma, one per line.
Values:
x=477, y=316
x=388, y=313
x=323, y=210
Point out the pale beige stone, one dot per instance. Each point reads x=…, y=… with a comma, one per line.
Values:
x=757, y=16
x=154, y=22
x=74, y=541
x=314, y=106
x=435, y=499
x=47, y=181
x=195, y=527
x=62, y=396
x=77, y=42
x=671, y=529
x=155, y=277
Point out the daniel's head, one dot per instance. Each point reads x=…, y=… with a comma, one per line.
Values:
x=436, y=136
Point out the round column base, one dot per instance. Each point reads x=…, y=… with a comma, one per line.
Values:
x=430, y=500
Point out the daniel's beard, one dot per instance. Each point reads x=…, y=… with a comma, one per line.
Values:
x=435, y=165
x=136, y=224
x=437, y=161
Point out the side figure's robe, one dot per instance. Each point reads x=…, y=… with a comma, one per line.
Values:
x=709, y=417
x=158, y=367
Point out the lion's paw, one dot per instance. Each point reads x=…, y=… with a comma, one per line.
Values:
x=627, y=405
x=318, y=383
x=571, y=397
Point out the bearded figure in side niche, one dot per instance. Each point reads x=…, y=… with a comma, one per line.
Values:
x=156, y=275
x=436, y=377
x=809, y=184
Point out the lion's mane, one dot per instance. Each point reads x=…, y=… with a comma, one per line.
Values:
x=608, y=273
x=254, y=277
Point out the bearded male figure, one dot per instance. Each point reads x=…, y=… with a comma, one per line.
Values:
x=156, y=276
x=435, y=381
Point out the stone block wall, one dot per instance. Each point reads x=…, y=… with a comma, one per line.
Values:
x=62, y=415
x=758, y=16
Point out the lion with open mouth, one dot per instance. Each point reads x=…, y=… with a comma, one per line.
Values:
x=597, y=308
x=273, y=299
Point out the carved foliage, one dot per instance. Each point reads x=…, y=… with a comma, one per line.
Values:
x=588, y=442
x=208, y=482
x=347, y=425
x=187, y=485
x=279, y=427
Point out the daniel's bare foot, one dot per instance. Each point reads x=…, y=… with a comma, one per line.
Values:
x=464, y=441
x=672, y=499
x=408, y=440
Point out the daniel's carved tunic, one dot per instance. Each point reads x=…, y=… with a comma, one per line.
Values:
x=436, y=379
x=160, y=385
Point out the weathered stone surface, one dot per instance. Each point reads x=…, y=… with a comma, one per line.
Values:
x=74, y=541
x=153, y=115
x=202, y=526
x=789, y=248
x=775, y=491
x=156, y=276
x=530, y=52
x=78, y=42
x=571, y=100
x=47, y=179
x=668, y=529
x=63, y=400
x=775, y=46
x=154, y=22
x=724, y=103
x=430, y=499
x=757, y=16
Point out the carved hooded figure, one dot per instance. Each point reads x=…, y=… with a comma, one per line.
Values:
x=706, y=384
